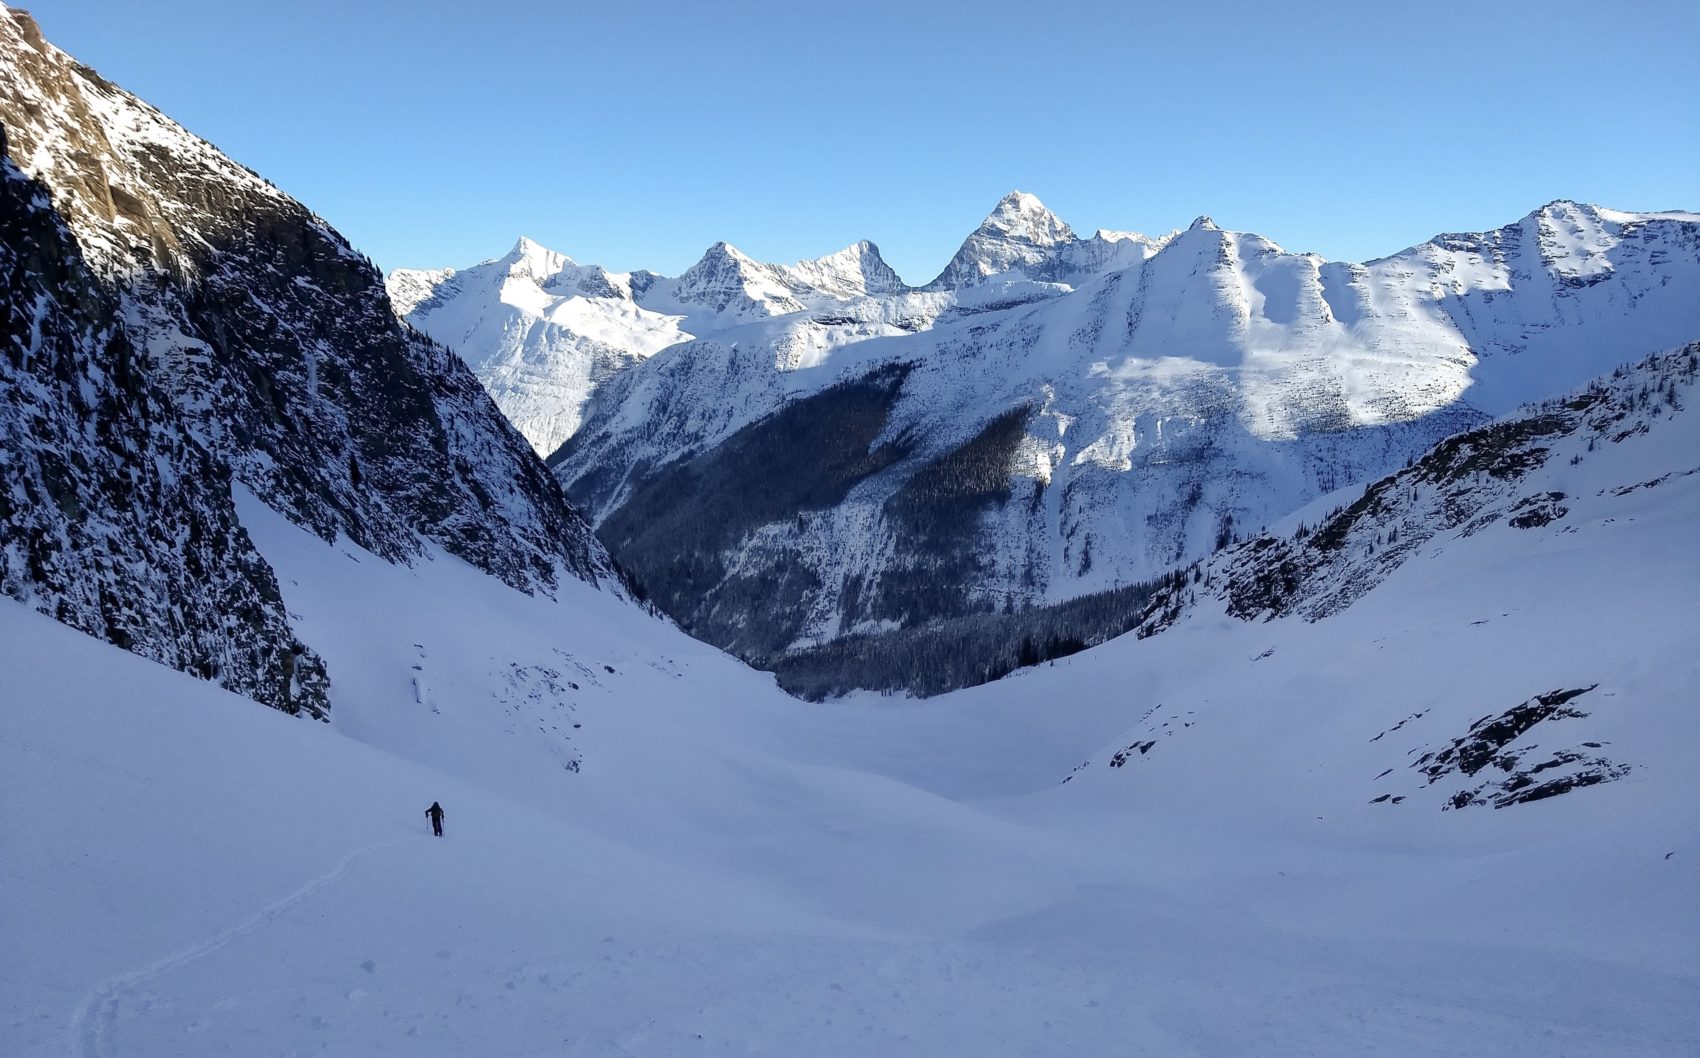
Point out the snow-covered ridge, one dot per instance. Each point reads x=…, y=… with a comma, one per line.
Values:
x=1255, y=301
x=543, y=332
x=854, y=271
x=1546, y=469
x=539, y=330
x=208, y=329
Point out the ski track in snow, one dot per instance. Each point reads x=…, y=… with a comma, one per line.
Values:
x=92, y=1027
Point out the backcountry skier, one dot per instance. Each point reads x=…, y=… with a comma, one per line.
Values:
x=436, y=814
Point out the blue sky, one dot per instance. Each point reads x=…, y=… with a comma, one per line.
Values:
x=636, y=134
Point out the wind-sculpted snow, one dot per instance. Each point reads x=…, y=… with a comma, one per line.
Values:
x=244, y=340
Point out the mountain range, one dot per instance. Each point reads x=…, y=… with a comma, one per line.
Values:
x=1051, y=416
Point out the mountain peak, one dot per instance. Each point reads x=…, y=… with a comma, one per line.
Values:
x=1567, y=209
x=532, y=260
x=1019, y=234
x=723, y=257
x=727, y=279
x=1203, y=223
x=854, y=271
x=1021, y=201
x=1019, y=215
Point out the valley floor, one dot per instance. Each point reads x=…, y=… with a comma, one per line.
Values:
x=709, y=867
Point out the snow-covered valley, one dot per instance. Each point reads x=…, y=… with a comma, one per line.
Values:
x=708, y=866
x=1409, y=772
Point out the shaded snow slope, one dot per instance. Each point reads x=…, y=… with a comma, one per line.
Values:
x=703, y=863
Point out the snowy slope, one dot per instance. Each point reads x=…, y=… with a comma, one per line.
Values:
x=707, y=865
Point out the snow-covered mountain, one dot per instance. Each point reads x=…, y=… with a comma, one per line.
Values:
x=175, y=328
x=1022, y=236
x=539, y=330
x=855, y=271
x=1130, y=403
x=112, y=520
x=543, y=332
x=1024, y=439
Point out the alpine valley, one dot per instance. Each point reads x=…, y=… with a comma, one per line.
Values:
x=1197, y=649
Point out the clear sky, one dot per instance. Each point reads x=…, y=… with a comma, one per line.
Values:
x=635, y=134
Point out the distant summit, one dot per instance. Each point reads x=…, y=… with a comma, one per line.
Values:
x=856, y=270
x=1022, y=237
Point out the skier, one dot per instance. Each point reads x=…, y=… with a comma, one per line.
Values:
x=436, y=814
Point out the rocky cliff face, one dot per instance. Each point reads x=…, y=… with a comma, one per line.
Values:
x=267, y=352
x=113, y=519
